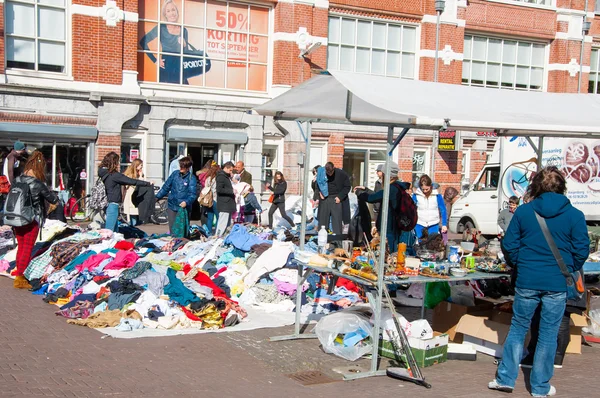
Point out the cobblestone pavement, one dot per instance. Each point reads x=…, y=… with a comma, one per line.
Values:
x=41, y=355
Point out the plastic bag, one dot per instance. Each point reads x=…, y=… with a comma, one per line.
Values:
x=420, y=329
x=462, y=294
x=344, y=323
x=435, y=293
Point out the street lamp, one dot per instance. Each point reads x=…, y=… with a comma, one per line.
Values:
x=439, y=9
x=585, y=29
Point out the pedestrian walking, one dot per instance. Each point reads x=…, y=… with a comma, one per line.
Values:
x=431, y=208
x=278, y=188
x=134, y=171
x=113, y=182
x=181, y=190
x=225, y=198
x=33, y=177
x=539, y=278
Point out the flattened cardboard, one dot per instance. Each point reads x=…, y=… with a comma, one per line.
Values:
x=485, y=335
x=446, y=316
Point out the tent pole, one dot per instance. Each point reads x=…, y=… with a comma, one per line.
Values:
x=385, y=207
x=540, y=153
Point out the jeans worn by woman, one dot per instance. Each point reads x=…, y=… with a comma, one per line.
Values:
x=211, y=213
x=112, y=217
x=552, y=309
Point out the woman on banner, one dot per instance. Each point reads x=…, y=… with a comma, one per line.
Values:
x=171, y=42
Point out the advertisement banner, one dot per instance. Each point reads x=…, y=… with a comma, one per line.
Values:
x=205, y=43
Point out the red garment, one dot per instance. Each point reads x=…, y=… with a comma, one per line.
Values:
x=348, y=284
x=205, y=280
x=124, y=245
x=123, y=259
x=26, y=236
x=190, y=315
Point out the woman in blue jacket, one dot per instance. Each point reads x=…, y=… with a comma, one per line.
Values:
x=181, y=188
x=539, y=279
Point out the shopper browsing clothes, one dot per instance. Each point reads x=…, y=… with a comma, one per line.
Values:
x=278, y=188
x=431, y=208
x=506, y=215
x=34, y=175
x=210, y=189
x=539, y=279
x=331, y=205
x=181, y=190
x=252, y=206
x=225, y=198
x=135, y=172
x=113, y=181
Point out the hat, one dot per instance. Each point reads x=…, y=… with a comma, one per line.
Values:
x=19, y=146
x=394, y=169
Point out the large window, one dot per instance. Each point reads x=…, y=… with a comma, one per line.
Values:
x=377, y=48
x=205, y=43
x=510, y=64
x=420, y=166
x=36, y=35
x=594, y=83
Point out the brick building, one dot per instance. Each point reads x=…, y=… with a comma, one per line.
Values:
x=157, y=78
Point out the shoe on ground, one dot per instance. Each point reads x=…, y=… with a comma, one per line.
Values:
x=21, y=282
x=493, y=385
x=551, y=393
x=557, y=366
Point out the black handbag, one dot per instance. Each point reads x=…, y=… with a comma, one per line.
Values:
x=193, y=67
x=575, y=283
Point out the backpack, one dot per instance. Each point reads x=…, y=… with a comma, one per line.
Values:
x=4, y=185
x=18, y=207
x=405, y=214
x=206, y=196
x=98, y=198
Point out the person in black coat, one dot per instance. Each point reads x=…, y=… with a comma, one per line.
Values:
x=279, y=199
x=225, y=198
x=335, y=205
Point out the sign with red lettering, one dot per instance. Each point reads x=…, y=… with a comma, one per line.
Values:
x=487, y=134
x=447, y=140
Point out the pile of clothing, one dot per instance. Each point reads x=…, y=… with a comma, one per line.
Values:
x=129, y=280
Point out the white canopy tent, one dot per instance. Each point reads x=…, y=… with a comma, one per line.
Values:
x=344, y=97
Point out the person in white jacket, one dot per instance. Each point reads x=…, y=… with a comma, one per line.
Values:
x=431, y=208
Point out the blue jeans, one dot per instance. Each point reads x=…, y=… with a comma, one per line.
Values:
x=112, y=217
x=211, y=213
x=553, y=307
x=134, y=220
x=432, y=229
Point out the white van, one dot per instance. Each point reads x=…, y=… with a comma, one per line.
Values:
x=509, y=170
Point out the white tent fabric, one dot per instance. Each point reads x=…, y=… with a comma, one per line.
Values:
x=421, y=104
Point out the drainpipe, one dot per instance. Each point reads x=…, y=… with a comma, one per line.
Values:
x=586, y=26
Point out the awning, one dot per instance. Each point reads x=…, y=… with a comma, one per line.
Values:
x=195, y=134
x=48, y=132
x=367, y=99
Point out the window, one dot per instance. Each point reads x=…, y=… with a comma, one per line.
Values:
x=376, y=48
x=539, y=2
x=594, y=83
x=488, y=180
x=270, y=162
x=204, y=43
x=420, y=164
x=510, y=64
x=36, y=35
x=130, y=150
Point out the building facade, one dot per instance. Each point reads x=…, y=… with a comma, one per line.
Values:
x=154, y=79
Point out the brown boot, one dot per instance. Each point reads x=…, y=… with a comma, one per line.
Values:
x=21, y=283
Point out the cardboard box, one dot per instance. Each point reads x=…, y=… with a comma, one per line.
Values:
x=578, y=322
x=426, y=352
x=485, y=335
x=447, y=315
x=461, y=352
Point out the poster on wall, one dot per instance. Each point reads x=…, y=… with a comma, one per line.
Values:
x=205, y=43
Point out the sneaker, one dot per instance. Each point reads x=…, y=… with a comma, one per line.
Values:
x=493, y=385
x=557, y=366
x=551, y=393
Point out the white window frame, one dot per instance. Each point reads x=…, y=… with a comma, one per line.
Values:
x=323, y=147
x=427, y=160
x=66, y=73
x=469, y=60
x=595, y=69
x=203, y=87
x=137, y=137
x=355, y=46
x=278, y=144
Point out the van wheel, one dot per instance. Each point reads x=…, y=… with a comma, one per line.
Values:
x=465, y=224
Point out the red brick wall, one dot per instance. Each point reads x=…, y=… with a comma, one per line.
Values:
x=107, y=142
x=406, y=7
x=335, y=149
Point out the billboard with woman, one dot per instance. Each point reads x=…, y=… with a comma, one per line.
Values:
x=204, y=43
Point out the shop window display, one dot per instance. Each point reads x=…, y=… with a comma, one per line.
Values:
x=206, y=43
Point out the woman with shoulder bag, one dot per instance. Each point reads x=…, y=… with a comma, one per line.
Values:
x=548, y=220
x=135, y=172
x=208, y=197
x=34, y=176
x=279, y=188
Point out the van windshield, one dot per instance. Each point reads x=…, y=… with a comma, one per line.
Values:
x=489, y=179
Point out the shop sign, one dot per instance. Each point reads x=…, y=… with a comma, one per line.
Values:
x=447, y=140
x=487, y=134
